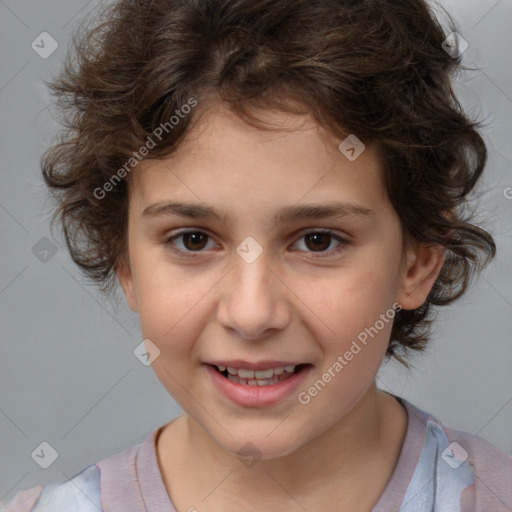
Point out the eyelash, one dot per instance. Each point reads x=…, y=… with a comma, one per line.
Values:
x=193, y=254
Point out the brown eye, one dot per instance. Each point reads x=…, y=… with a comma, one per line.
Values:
x=318, y=241
x=194, y=241
x=190, y=242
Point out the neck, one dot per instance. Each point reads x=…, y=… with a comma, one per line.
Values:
x=350, y=455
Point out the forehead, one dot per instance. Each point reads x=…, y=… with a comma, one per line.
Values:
x=221, y=152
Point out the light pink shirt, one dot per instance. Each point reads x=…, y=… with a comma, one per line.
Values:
x=439, y=470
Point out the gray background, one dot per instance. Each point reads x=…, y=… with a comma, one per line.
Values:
x=68, y=375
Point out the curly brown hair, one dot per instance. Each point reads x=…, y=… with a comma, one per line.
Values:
x=375, y=68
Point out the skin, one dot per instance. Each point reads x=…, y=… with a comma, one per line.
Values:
x=297, y=301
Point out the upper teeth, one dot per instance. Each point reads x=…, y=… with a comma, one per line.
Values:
x=257, y=374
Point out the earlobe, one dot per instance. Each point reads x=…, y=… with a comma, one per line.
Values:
x=419, y=275
x=125, y=278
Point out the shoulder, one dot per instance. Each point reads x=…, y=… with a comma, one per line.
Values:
x=23, y=501
x=465, y=470
x=82, y=493
x=79, y=494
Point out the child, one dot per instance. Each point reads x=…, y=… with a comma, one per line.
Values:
x=264, y=128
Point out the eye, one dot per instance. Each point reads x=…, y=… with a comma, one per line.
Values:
x=321, y=240
x=195, y=241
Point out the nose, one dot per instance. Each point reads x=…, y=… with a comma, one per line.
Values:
x=253, y=302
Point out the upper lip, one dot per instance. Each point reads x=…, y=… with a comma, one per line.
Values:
x=260, y=365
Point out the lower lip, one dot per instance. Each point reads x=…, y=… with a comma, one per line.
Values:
x=257, y=396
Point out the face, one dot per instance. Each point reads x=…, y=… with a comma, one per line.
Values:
x=248, y=287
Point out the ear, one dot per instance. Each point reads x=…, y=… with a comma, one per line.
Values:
x=420, y=272
x=124, y=274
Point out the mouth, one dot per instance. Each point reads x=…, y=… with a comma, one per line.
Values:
x=266, y=377
x=257, y=385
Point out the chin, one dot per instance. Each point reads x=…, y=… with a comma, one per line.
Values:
x=255, y=441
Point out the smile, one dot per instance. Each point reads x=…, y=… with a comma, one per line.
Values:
x=257, y=388
x=258, y=377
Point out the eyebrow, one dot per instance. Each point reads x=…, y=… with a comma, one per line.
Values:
x=285, y=214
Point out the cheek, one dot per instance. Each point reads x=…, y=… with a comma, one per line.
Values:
x=163, y=293
x=166, y=313
x=173, y=307
x=348, y=301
